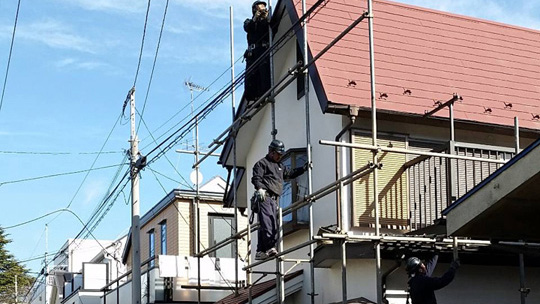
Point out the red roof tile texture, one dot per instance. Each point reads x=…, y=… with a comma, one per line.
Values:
x=431, y=54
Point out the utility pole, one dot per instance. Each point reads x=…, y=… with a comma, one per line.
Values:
x=16, y=290
x=135, y=166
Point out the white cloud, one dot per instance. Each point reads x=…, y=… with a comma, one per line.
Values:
x=72, y=63
x=185, y=28
x=123, y=6
x=93, y=191
x=56, y=35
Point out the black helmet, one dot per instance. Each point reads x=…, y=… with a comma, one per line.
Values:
x=413, y=264
x=254, y=6
x=277, y=145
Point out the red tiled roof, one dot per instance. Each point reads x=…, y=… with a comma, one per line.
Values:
x=433, y=54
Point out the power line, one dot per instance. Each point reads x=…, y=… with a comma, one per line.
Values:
x=142, y=44
x=10, y=52
x=155, y=59
x=94, y=162
x=58, y=153
x=185, y=183
x=57, y=175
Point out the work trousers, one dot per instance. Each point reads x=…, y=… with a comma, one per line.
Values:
x=258, y=79
x=268, y=225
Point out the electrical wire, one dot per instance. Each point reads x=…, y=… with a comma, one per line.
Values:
x=93, y=163
x=57, y=175
x=10, y=53
x=142, y=44
x=155, y=60
x=185, y=183
x=57, y=153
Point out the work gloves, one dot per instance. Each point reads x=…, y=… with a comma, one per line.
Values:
x=261, y=194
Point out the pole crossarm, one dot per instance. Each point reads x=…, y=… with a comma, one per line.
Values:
x=441, y=106
x=275, y=90
x=407, y=151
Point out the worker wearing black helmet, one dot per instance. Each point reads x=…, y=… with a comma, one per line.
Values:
x=422, y=285
x=268, y=176
x=257, y=76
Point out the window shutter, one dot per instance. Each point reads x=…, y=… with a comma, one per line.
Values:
x=393, y=187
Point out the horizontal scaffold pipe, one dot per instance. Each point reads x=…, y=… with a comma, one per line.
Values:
x=448, y=241
x=227, y=241
x=282, y=253
x=299, y=204
x=308, y=199
x=407, y=151
x=274, y=91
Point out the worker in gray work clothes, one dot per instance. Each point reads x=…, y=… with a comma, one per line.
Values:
x=422, y=285
x=268, y=176
x=257, y=75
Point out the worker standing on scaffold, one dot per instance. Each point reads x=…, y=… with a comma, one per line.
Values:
x=268, y=176
x=422, y=285
x=257, y=76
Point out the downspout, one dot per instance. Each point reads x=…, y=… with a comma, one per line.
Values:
x=338, y=169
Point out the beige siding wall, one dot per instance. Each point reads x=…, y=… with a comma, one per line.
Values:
x=393, y=190
x=170, y=215
x=181, y=226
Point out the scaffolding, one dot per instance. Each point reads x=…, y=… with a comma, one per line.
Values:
x=343, y=237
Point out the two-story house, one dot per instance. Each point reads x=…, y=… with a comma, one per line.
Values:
x=481, y=77
x=169, y=243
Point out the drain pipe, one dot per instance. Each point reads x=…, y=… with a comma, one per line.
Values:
x=338, y=150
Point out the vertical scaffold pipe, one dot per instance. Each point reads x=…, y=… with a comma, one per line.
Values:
x=280, y=278
x=271, y=60
x=516, y=134
x=309, y=158
x=375, y=160
x=235, y=202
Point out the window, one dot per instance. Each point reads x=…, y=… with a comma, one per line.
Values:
x=163, y=236
x=151, y=247
x=294, y=189
x=221, y=227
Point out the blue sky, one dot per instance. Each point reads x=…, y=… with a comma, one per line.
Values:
x=73, y=63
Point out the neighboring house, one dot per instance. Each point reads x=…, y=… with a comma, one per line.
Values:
x=78, y=272
x=168, y=244
x=422, y=58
